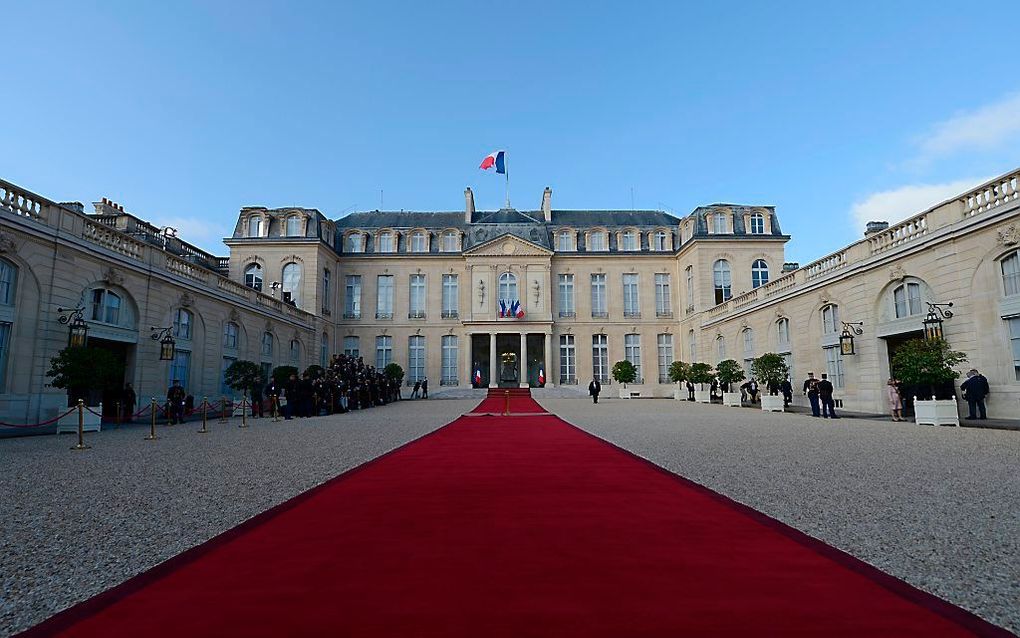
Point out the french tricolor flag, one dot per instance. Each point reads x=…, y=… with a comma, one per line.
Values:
x=497, y=159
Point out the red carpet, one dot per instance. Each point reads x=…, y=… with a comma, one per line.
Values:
x=519, y=526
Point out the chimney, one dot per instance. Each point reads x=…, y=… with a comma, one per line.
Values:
x=790, y=266
x=469, y=205
x=875, y=227
x=547, y=205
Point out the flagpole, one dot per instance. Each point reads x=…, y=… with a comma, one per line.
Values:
x=506, y=168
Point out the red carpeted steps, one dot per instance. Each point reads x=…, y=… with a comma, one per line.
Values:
x=513, y=392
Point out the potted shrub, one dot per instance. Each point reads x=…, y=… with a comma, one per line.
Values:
x=678, y=373
x=281, y=374
x=85, y=373
x=624, y=372
x=243, y=376
x=770, y=370
x=729, y=373
x=394, y=372
x=927, y=366
x=701, y=373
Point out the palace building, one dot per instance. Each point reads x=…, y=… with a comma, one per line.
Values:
x=473, y=298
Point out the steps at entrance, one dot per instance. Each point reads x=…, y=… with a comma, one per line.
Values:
x=514, y=392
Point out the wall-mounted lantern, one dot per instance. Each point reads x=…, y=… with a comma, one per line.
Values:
x=846, y=340
x=77, y=329
x=167, y=345
x=937, y=312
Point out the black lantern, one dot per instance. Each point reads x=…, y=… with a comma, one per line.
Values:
x=167, y=345
x=937, y=312
x=846, y=340
x=77, y=329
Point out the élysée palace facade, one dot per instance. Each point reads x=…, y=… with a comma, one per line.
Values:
x=497, y=298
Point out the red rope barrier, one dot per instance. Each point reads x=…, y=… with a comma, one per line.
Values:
x=37, y=425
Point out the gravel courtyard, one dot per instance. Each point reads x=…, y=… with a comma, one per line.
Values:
x=73, y=524
x=937, y=507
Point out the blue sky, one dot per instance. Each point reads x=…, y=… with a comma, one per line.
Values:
x=834, y=112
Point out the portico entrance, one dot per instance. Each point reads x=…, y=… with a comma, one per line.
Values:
x=508, y=360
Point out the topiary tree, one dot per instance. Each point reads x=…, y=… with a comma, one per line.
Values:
x=679, y=372
x=394, y=372
x=770, y=370
x=243, y=376
x=729, y=372
x=281, y=374
x=624, y=372
x=79, y=370
x=701, y=373
x=927, y=365
x=315, y=371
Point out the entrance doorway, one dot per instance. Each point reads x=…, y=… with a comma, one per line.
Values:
x=892, y=344
x=508, y=360
x=122, y=352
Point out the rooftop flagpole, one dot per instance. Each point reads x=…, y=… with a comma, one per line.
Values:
x=506, y=173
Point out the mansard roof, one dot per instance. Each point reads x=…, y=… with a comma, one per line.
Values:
x=509, y=217
x=401, y=219
x=610, y=218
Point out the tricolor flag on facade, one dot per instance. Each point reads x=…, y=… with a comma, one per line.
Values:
x=497, y=159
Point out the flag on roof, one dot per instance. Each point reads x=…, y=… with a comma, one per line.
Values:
x=497, y=159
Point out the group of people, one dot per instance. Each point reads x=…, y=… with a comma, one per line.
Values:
x=974, y=390
x=347, y=384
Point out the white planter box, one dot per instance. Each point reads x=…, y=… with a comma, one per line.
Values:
x=732, y=399
x=771, y=403
x=92, y=423
x=679, y=392
x=630, y=393
x=936, y=412
x=703, y=396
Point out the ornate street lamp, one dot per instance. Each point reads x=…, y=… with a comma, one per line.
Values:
x=77, y=329
x=937, y=312
x=846, y=340
x=166, y=341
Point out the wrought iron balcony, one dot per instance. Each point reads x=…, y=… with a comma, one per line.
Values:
x=384, y=315
x=450, y=314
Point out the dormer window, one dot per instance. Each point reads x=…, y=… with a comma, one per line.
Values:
x=384, y=242
x=597, y=240
x=565, y=241
x=417, y=242
x=355, y=243
x=659, y=241
x=293, y=226
x=719, y=224
x=254, y=226
x=757, y=224
x=449, y=244
x=629, y=240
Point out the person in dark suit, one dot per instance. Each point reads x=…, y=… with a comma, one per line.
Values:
x=256, y=400
x=787, y=389
x=425, y=388
x=825, y=391
x=594, y=388
x=292, y=392
x=690, y=391
x=130, y=399
x=175, y=403
x=975, y=389
x=811, y=390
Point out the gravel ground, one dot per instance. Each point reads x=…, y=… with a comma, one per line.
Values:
x=73, y=524
x=936, y=507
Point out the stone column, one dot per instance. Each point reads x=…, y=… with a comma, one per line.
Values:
x=467, y=357
x=548, y=362
x=524, y=360
x=493, y=380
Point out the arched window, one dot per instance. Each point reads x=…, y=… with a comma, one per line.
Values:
x=417, y=242
x=757, y=224
x=253, y=276
x=907, y=299
x=564, y=240
x=597, y=240
x=830, y=319
x=254, y=226
x=721, y=280
x=355, y=243
x=292, y=284
x=384, y=242
x=719, y=224
x=449, y=244
x=106, y=306
x=1011, y=274
x=293, y=226
x=230, y=332
x=508, y=286
x=8, y=280
x=659, y=242
x=267, y=345
x=783, y=333
x=183, y=321
x=629, y=240
x=759, y=273
x=720, y=347
x=748, y=341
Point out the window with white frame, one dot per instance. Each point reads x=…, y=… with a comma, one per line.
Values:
x=759, y=273
x=783, y=333
x=566, y=294
x=564, y=241
x=568, y=360
x=384, y=297
x=719, y=224
x=663, y=298
x=1014, y=344
x=788, y=359
x=291, y=284
x=106, y=306
x=5, y=345
x=664, y=345
x=324, y=350
x=757, y=224
x=383, y=351
x=598, y=240
x=183, y=322
x=415, y=358
x=451, y=297
x=355, y=243
x=8, y=280
x=254, y=226
x=834, y=365
x=600, y=357
x=631, y=303
x=660, y=241
x=352, y=346
x=267, y=345
x=295, y=352
x=230, y=332
x=449, y=366
x=508, y=287
x=1011, y=274
x=416, y=297
x=748, y=334
x=253, y=276
x=630, y=241
x=449, y=243
x=417, y=243
x=352, y=297
x=225, y=389
x=722, y=281
x=720, y=348
x=180, y=367
x=632, y=352
x=598, y=295
x=830, y=319
x=293, y=226
x=384, y=242
x=907, y=300
x=327, y=291
x=689, y=275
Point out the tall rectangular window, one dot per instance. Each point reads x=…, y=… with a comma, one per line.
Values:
x=449, y=372
x=689, y=274
x=631, y=305
x=600, y=357
x=664, y=345
x=225, y=389
x=450, y=297
x=1014, y=343
x=568, y=360
x=415, y=358
x=783, y=333
x=598, y=295
x=5, y=346
x=230, y=335
x=384, y=297
x=834, y=365
x=788, y=359
x=632, y=352
x=1011, y=274
x=416, y=297
x=352, y=346
x=180, y=367
x=327, y=291
x=566, y=295
x=383, y=351
x=352, y=298
x=663, y=299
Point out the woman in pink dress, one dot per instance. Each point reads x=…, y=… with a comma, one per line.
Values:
x=895, y=402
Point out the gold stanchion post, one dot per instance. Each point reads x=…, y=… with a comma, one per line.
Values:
x=81, y=427
x=244, y=412
x=152, y=422
x=205, y=416
x=276, y=408
x=506, y=409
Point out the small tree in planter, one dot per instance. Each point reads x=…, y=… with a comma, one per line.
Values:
x=728, y=373
x=678, y=373
x=394, y=372
x=81, y=370
x=926, y=366
x=243, y=376
x=281, y=374
x=624, y=372
x=701, y=373
x=770, y=370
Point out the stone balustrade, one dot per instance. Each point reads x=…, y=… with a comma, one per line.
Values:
x=234, y=288
x=718, y=310
x=185, y=269
x=777, y=286
x=902, y=233
x=745, y=299
x=118, y=242
x=825, y=265
x=21, y=202
x=997, y=192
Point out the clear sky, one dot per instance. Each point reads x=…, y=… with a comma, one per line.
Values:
x=834, y=112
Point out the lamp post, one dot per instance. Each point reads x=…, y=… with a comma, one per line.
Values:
x=167, y=345
x=937, y=312
x=846, y=339
x=77, y=329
